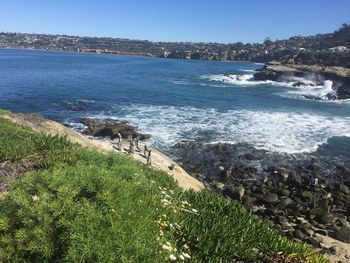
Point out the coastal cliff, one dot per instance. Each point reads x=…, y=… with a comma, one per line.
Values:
x=340, y=76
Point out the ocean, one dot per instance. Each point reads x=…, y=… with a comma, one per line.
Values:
x=174, y=100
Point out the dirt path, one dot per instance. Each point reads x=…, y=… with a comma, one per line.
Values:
x=159, y=160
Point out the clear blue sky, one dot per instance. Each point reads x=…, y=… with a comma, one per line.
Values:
x=177, y=20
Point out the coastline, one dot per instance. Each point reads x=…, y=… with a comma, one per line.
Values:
x=160, y=161
x=335, y=249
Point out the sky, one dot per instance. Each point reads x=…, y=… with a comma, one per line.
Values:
x=223, y=21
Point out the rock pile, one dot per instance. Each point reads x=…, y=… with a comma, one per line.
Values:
x=300, y=197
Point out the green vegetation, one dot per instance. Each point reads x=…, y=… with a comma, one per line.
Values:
x=2, y=112
x=80, y=205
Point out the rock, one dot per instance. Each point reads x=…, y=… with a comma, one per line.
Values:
x=299, y=235
x=318, y=212
x=343, y=222
x=285, y=192
x=318, y=239
x=334, y=250
x=342, y=234
x=236, y=192
x=306, y=229
x=220, y=186
x=322, y=204
x=271, y=198
x=327, y=219
x=110, y=128
x=284, y=203
x=297, y=179
x=322, y=232
x=313, y=242
x=308, y=195
x=221, y=168
x=344, y=189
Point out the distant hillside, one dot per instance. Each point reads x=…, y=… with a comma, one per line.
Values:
x=328, y=49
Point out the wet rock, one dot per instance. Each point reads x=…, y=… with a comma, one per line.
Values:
x=110, y=128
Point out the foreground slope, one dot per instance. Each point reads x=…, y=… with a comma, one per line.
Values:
x=75, y=204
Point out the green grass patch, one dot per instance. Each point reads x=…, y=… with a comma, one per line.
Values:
x=3, y=112
x=84, y=206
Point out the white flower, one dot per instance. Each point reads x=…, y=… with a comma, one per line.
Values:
x=166, y=247
x=186, y=255
x=172, y=257
x=182, y=257
x=35, y=198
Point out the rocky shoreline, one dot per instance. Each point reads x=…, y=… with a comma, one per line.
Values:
x=279, y=72
x=300, y=196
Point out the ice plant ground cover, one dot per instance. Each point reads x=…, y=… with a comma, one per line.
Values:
x=79, y=205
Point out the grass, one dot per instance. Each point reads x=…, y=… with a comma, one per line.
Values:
x=80, y=205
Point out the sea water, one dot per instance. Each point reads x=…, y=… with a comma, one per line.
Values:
x=175, y=100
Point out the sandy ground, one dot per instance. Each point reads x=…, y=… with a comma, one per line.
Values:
x=159, y=160
x=341, y=250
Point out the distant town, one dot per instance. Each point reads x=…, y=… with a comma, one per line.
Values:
x=328, y=49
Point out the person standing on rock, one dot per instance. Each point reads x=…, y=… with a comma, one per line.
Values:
x=145, y=151
x=137, y=139
x=119, y=143
x=132, y=147
x=149, y=158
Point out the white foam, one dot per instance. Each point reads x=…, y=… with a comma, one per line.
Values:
x=306, y=88
x=320, y=92
x=248, y=70
x=243, y=79
x=290, y=132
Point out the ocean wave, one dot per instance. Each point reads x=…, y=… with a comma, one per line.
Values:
x=289, y=132
x=299, y=88
x=241, y=80
x=248, y=70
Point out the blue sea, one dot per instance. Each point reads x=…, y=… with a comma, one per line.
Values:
x=175, y=100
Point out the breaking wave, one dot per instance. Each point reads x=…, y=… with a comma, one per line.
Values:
x=289, y=132
x=299, y=88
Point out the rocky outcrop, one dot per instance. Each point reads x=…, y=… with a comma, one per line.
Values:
x=280, y=187
x=110, y=128
x=340, y=76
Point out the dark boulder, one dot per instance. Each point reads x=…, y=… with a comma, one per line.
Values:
x=110, y=128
